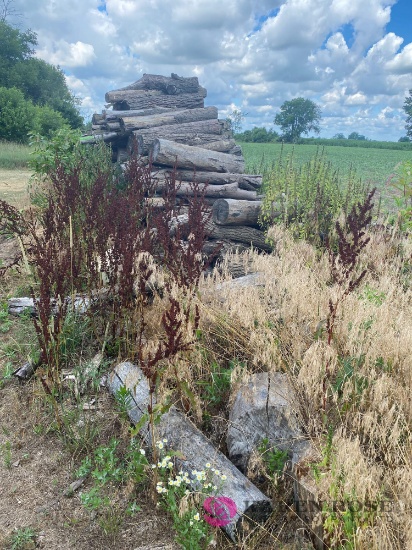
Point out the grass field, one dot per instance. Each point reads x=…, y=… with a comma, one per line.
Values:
x=13, y=186
x=14, y=155
x=371, y=165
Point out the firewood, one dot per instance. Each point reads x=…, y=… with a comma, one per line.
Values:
x=169, y=153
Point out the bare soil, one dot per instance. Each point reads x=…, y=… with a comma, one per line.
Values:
x=36, y=469
x=13, y=186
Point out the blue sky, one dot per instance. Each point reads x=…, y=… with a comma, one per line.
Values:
x=401, y=23
x=352, y=57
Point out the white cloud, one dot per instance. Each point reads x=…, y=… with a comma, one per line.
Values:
x=402, y=62
x=356, y=99
x=252, y=53
x=64, y=54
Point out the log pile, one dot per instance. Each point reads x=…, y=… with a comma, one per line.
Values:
x=166, y=119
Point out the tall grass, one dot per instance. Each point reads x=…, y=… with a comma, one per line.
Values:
x=14, y=156
x=361, y=464
x=373, y=166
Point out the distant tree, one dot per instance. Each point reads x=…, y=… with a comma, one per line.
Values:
x=298, y=116
x=404, y=139
x=355, y=135
x=41, y=83
x=407, y=107
x=339, y=136
x=258, y=135
x=7, y=10
x=234, y=120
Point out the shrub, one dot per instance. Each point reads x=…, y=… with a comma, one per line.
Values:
x=308, y=198
x=18, y=116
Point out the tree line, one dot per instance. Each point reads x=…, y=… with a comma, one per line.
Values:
x=299, y=117
x=34, y=97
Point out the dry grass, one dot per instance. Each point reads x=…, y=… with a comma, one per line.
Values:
x=280, y=326
x=13, y=187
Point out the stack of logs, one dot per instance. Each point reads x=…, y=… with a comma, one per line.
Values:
x=167, y=120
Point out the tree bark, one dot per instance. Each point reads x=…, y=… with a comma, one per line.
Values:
x=243, y=234
x=169, y=153
x=236, y=212
x=244, y=181
x=114, y=115
x=193, y=449
x=103, y=136
x=142, y=99
x=190, y=133
x=216, y=191
x=169, y=117
x=222, y=146
x=170, y=85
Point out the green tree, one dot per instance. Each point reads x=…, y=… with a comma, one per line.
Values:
x=404, y=139
x=339, y=136
x=19, y=117
x=298, y=116
x=357, y=136
x=40, y=82
x=407, y=107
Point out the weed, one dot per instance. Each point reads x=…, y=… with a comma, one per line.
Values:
x=6, y=374
x=274, y=459
x=183, y=496
x=6, y=451
x=343, y=266
x=5, y=322
x=23, y=539
x=401, y=184
x=372, y=296
x=107, y=467
x=308, y=198
x=217, y=387
x=124, y=400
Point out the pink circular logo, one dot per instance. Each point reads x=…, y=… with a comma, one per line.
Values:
x=220, y=511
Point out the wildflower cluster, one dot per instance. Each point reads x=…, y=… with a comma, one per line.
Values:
x=183, y=494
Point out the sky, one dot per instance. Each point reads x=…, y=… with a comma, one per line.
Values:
x=351, y=57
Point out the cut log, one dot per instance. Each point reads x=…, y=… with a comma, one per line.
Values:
x=26, y=370
x=264, y=408
x=112, y=126
x=142, y=99
x=205, y=141
x=236, y=212
x=170, y=85
x=193, y=449
x=222, y=146
x=21, y=306
x=216, y=191
x=169, y=117
x=245, y=181
x=97, y=118
x=169, y=153
x=190, y=133
x=115, y=115
x=104, y=136
x=243, y=234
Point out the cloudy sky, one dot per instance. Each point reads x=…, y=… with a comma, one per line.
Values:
x=352, y=57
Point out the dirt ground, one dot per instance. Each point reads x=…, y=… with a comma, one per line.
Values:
x=36, y=469
x=13, y=186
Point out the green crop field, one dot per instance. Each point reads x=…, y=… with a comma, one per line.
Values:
x=371, y=165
